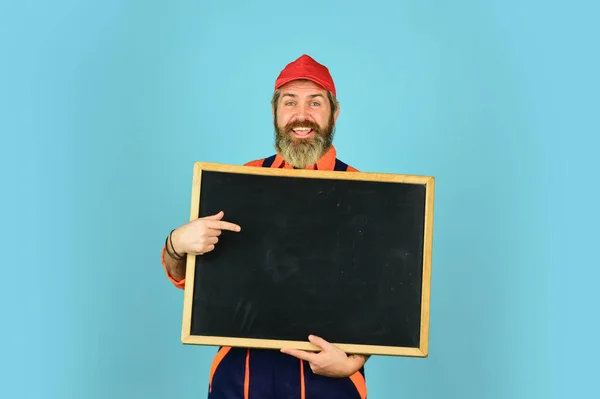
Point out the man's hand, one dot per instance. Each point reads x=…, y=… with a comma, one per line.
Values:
x=200, y=236
x=331, y=361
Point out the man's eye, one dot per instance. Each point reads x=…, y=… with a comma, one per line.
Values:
x=289, y=103
x=315, y=104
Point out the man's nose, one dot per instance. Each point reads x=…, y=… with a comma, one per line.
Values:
x=302, y=111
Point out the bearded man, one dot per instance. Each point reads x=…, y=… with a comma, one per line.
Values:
x=305, y=110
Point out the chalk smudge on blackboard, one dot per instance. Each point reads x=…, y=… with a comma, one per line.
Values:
x=244, y=311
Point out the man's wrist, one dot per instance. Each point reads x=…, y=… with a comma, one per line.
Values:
x=170, y=247
x=357, y=362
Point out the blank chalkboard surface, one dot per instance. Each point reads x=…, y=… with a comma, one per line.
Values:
x=342, y=255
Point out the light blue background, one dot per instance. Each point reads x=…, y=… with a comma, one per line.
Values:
x=106, y=105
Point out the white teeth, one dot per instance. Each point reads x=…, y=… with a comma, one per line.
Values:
x=302, y=128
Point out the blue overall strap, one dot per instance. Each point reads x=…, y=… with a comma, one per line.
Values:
x=340, y=166
x=268, y=161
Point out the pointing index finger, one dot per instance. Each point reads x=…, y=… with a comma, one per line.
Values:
x=221, y=225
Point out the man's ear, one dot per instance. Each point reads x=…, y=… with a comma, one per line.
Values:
x=273, y=111
x=337, y=112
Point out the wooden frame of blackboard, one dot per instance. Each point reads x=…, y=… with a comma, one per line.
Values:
x=420, y=351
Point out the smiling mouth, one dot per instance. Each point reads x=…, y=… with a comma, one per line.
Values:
x=302, y=132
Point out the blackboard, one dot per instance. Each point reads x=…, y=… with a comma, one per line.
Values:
x=342, y=255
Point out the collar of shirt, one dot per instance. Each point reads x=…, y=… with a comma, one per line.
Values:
x=326, y=162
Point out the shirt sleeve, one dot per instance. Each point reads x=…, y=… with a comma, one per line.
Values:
x=177, y=283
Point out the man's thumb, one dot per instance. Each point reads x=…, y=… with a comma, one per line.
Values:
x=217, y=216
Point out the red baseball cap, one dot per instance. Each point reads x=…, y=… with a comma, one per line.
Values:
x=306, y=67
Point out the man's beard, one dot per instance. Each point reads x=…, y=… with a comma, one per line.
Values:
x=299, y=152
